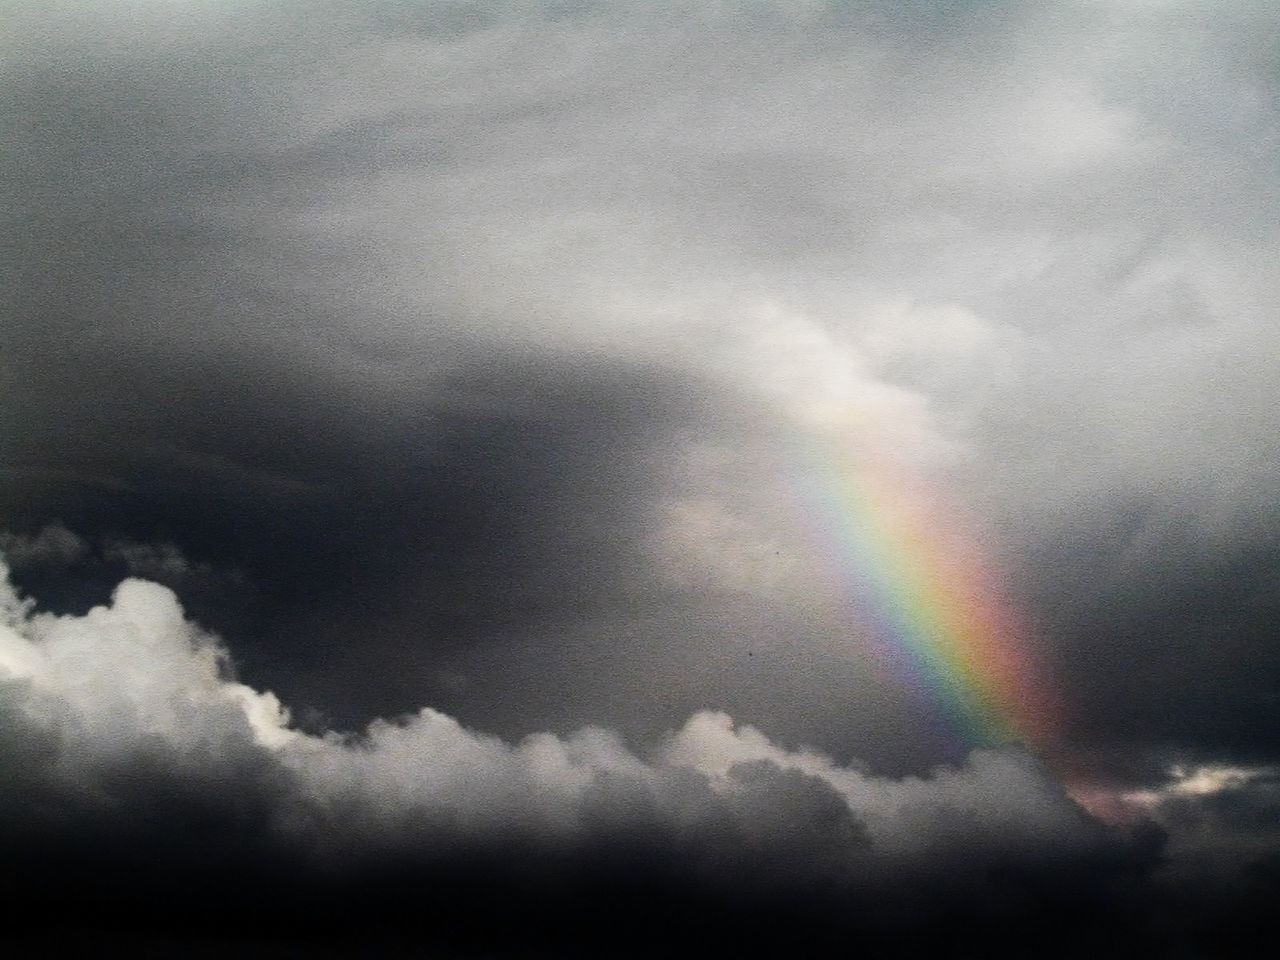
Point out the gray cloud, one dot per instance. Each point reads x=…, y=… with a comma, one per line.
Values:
x=53, y=545
x=489, y=350
x=426, y=188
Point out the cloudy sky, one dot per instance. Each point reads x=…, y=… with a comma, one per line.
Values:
x=539, y=473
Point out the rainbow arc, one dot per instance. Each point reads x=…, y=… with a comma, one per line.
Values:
x=938, y=610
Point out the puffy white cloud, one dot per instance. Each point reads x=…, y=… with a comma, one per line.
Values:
x=135, y=679
x=130, y=671
x=1000, y=797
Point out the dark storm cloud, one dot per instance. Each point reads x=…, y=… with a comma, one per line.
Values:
x=1197, y=609
x=502, y=499
x=468, y=356
x=255, y=254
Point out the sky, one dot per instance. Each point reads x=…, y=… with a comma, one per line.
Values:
x=641, y=478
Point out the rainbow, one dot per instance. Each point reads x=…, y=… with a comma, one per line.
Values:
x=939, y=614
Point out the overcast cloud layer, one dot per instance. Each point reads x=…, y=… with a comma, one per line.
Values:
x=465, y=371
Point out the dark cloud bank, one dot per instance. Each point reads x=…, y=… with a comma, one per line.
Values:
x=149, y=795
x=449, y=371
